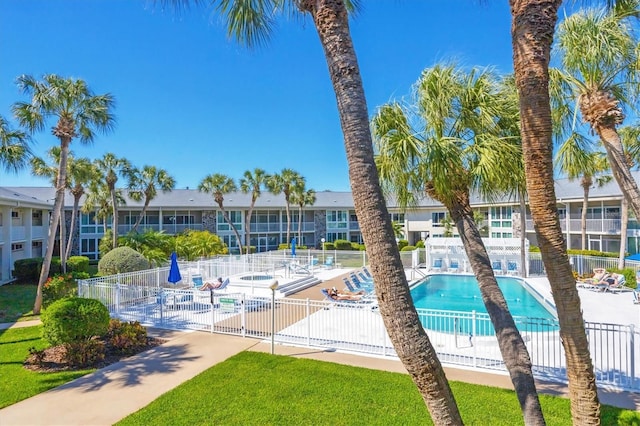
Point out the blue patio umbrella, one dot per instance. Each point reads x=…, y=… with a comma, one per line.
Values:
x=634, y=257
x=174, y=271
x=293, y=247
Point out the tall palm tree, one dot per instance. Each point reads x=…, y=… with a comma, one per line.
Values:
x=79, y=113
x=284, y=183
x=218, y=184
x=81, y=173
x=252, y=182
x=577, y=160
x=532, y=30
x=600, y=67
x=145, y=183
x=251, y=22
x=39, y=167
x=14, y=147
x=302, y=197
x=462, y=144
x=111, y=167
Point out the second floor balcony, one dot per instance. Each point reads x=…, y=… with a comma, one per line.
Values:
x=594, y=226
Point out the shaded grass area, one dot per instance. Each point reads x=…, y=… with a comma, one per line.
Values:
x=18, y=383
x=16, y=302
x=259, y=389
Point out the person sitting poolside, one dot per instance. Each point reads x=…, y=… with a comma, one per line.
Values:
x=599, y=274
x=608, y=280
x=335, y=295
x=212, y=286
x=348, y=292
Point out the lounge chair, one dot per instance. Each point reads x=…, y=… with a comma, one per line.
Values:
x=615, y=287
x=361, y=285
x=367, y=272
x=196, y=279
x=512, y=267
x=349, y=284
x=328, y=263
x=437, y=265
x=454, y=266
x=362, y=301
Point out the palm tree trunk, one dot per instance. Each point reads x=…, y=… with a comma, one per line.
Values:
x=523, y=236
x=533, y=23
x=396, y=306
x=300, y=226
x=247, y=232
x=74, y=215
x=615, y=152
x=233, y=227
x=114, y=220
x=144, y=211
x=288, y=223
x=55, y=218
x=583, y=216
x=624, y=221
x=514, y=351
x=63, y=239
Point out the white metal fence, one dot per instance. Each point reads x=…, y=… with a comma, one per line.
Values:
x=460, y=338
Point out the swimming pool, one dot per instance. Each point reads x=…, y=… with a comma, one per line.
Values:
x=460, y=293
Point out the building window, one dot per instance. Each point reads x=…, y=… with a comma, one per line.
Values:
x=89, y=247
x=333, y=236
x=36, y=218
x=15, y=214
x=337, y=219
x=397, y=217
x=501, y=217
x=235, y=216
x=437, y=218
x=16, y=247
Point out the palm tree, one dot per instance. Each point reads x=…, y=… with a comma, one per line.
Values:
x=285, y=182
x=14, y=148
x=600, y=67
x=39, y=167
x=218, y=185
x=302, y=197
x=81, y=173
x=111, y=167
x=79, y=113
x=463, y=144
x=144, y=184
x=576, y=159
x=252, y=182
x=251, y=22
x=532, y=29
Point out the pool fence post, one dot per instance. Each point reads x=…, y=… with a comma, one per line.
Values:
x=473, y=333
x=308, y=317
x=273, y=287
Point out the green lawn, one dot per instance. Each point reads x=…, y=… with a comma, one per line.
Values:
x=18, y=383
x=16, y=302
x=260, y=389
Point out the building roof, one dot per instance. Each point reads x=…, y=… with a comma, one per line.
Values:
x=186, y=199
x=16, y=197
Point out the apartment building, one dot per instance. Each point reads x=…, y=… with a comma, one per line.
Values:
x=24, y=224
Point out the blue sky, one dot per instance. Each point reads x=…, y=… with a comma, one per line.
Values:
x=192, y=101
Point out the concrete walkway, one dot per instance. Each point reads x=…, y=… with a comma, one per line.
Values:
x=118, y=390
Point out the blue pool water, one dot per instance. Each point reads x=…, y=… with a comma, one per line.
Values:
x=461, y=293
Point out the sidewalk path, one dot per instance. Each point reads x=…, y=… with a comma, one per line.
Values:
x=112, y=393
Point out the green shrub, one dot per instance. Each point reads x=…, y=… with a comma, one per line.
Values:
x=74, y=319
x=420, y=244
x=357, y=247
x=402, y=244
x=595, y=253
x=342, y=245
x=84, y=353
x=408, y=248
x=126, y=337
x=27, y=270
x=78, y=264
x=58, y=287
x=122, y=259
x=329, y=246
x=106, y=243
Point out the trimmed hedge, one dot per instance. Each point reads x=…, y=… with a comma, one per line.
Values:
x=78, y=264
x=122, y=259
x=74, y=319
x=25, y=270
